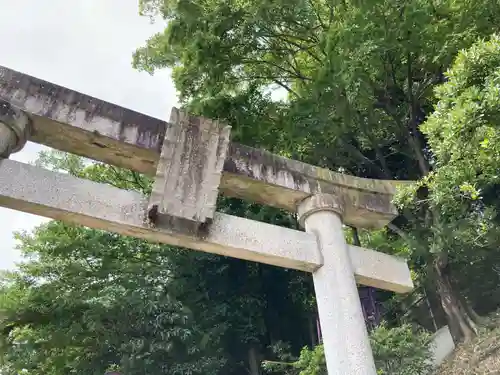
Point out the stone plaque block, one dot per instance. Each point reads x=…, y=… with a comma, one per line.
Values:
x=190, y=167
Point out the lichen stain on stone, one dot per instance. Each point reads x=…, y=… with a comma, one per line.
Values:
x=323, y=173
x=6, y=110
x=264, y=166
x=150, y=130
x=376, y=202
x=99, y=145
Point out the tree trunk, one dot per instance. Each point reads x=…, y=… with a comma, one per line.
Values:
x=429, y=307
x=312, y=330
x=462, y=326
x=253, y=361
x=476, y=318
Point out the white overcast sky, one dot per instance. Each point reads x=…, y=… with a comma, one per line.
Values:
x=85, y=45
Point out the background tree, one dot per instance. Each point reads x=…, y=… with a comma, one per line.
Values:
x=87, y=300
x=358, y=77
x=463, y=186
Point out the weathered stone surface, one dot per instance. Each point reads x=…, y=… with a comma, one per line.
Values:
x=73, y=122
x=370, y=267
x=379, y=270
x=263, y=177
x=63, y=197
x=184, y=196
x=14, y=129
x=345, y=338
x=190, y=166
x=70, y=121
x=320, y=202
x=60, y=196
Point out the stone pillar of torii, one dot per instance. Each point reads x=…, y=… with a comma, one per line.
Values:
x=193, y=160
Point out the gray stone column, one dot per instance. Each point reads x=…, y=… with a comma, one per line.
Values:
x=345, y=338
x=14, y=129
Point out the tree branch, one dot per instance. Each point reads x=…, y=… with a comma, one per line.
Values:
x=257, y=62
x=412, y=132
x=316, y=12
x=286, y=39
x=355, y=237
x=401, y=233
x=359, y=155
x=137, y=180
x=286, y=87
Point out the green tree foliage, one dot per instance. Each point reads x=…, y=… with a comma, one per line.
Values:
x=359, y=80
x=401, y=350
x=463, y=136
x=86, y=300
x=353, y=70
x=463, y=133
x=397, y=351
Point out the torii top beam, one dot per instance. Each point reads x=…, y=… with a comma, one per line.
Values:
x=70, y=121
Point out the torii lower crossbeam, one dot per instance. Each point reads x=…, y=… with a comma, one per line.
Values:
x=38, y=191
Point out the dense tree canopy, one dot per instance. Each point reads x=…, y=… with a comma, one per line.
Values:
x=359, y=77
x=463, y=134
x=359, y=74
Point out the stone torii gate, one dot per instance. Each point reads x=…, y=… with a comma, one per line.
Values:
x=193, y=160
